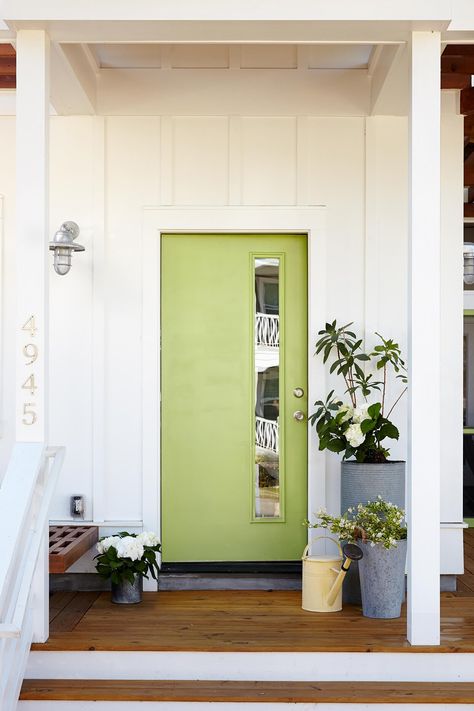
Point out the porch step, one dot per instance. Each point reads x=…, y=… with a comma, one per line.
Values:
x=68, y=543
x=86, y=690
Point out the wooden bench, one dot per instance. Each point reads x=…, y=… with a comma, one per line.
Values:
x=68, y=543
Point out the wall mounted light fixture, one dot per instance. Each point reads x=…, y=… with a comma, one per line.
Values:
x=468, y=262
x=63, y=246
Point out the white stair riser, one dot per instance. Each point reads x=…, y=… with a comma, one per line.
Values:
x=252, y=666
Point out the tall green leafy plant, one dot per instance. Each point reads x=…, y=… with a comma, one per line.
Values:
x=358, y=427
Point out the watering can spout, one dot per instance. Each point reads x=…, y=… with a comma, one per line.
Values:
x=351, y=552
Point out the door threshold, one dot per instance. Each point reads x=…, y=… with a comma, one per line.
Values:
x=228, y=581
x=253, y=567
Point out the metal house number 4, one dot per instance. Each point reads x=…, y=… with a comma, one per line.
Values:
x=30, y=353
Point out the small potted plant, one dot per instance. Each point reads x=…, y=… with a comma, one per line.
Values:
x=379, y=528
x=358, y=426
x=126, y=559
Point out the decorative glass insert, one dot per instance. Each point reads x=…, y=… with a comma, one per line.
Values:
x=267, y=490
x=468, y=416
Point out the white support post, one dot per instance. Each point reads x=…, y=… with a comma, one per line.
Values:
x=424, y=298
x=32, y=258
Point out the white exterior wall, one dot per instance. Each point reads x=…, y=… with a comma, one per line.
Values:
x=105, y=169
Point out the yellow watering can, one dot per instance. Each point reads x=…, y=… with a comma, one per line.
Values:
x=323, y=576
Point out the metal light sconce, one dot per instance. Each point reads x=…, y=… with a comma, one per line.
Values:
x=63, y=246
x=469, y=262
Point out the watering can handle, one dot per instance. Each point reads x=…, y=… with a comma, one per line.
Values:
x=317, y=538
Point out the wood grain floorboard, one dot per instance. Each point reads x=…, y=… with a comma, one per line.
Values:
x=215, y=620
x=246, y=692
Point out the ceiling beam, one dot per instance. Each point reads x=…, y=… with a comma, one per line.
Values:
x=457, y=65
x=73, y=84
x=467, y=101
x=455, y=81
x=459, y=50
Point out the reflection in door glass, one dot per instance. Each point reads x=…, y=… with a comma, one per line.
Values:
x=267, y=388
x=468, y=417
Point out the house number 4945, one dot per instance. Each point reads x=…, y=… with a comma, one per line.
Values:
x=30, y=354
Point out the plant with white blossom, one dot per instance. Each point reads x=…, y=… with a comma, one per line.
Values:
x=376, y=522
x=125, y=555
x=357, y=428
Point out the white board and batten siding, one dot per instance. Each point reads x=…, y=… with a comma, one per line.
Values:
x=321, y=150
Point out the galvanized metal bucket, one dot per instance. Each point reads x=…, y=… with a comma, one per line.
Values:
x=125, y=593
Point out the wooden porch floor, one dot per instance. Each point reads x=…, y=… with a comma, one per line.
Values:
x=239, y=621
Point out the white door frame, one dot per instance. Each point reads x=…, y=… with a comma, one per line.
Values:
x=252, y=220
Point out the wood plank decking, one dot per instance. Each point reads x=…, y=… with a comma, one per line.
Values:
x=239, y=621
x=247, y=691
x=465, y=583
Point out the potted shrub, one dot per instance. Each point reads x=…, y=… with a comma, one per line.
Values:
x=359, y=425
x=126, y=559
x=378, y=527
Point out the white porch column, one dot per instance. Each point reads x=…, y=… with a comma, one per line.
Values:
x=423, y=491
x=32, y=234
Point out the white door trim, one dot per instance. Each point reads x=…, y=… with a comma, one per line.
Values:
x=272, y=220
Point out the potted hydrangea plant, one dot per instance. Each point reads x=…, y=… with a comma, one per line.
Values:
x=358, y=426
x=126, y=559
x=379, y=528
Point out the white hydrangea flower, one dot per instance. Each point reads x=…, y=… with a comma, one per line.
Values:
x=130, y=547
x=104, y=545
x=148, y=538
x=348, y=412
x=360, y=413
x=354, y=435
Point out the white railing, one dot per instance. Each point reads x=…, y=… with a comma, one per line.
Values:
x=266, y=434
x=25, y=497
x=267, y=330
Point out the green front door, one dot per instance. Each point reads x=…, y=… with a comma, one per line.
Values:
x=234, y=350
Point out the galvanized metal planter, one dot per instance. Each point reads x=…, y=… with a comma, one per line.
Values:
x=360, y=483
x=126, y=593
x=382, y=579
x=363, y=482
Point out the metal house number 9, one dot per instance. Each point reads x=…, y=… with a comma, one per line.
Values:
x=30, y=353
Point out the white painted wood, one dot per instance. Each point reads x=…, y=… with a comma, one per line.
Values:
x=32, y=229
x=269, y=161
x=214, y=56
x=221, y=220
x=25, y=498
x=386, y=248
x=452, y=181
x=424, y=286
x=200, y=160
x=133, y=151
x=72, y=358
x=268, y=56
x=98, y=325
x=2, y=326
x=73, y=82
x=241, y=666
x=235, y=160
x=213, y=10
x=223, y=92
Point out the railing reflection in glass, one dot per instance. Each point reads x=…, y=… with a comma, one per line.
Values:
x=267, y=388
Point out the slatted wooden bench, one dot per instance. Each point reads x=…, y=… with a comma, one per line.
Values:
x=68, y=543
x=86, y=690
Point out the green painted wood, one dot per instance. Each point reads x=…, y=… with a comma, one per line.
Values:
x=207, y=445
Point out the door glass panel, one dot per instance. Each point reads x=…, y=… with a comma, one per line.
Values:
x=468, y=417
x=267, y=491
